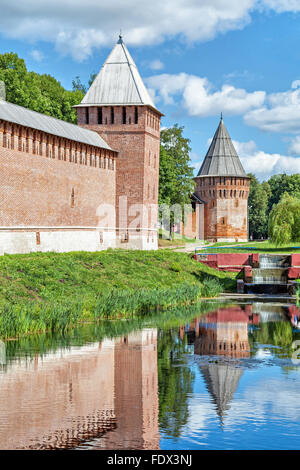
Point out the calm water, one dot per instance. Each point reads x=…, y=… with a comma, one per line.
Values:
x=221, y=380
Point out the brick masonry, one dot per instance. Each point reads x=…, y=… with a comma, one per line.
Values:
x=137, y=175
x=50, y=192
x=226, y=207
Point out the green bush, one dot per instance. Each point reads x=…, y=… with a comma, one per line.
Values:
x=211, y=288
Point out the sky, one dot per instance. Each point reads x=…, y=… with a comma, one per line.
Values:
x=198, y=58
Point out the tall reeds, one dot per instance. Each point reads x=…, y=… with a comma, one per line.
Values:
x=29, y=317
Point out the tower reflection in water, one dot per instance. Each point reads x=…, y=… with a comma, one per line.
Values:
x=103, y=395
x=223, y=332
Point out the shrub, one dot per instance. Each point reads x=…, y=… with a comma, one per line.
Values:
x=211, y=288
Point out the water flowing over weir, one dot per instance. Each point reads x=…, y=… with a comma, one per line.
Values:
x=271, y=277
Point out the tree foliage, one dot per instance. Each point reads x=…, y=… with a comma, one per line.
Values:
x=41, y=93
x=175, y=173
x=265, y=196
x=258, y=207
x=280, y=184
x=175, y=382
x=284, y=220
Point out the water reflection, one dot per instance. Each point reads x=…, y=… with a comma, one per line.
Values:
x=175, y=386
x=224, y=333
x=103, y=394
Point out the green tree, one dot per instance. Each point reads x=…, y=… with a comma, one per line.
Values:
x=280, y=184
x=258, y=207
x=175, y=173
x=41, y=93
x=175, y=382
x=79, y=86
x=284, y=220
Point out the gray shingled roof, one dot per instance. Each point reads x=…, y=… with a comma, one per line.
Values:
x=221, y=158
x=25, y=117
x=221, y=381
x=118, y=82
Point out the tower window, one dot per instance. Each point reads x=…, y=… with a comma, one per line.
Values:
x=136, y=115
x=124, y=114
x=100, y=118
x=112, y=115
x=87, y=118
x=72, y=198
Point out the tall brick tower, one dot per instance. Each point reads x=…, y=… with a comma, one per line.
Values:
x=224, y=187
x=119, y=107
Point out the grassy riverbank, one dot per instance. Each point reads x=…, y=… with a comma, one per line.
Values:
x=255, y=247
x=51, y=292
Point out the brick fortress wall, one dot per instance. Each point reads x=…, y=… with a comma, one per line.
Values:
x=50, y=190
x=134, y=131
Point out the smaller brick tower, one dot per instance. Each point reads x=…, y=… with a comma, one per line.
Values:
x=224, y=187
x=119, y=107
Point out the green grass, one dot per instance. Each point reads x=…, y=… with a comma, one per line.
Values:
x=52, y=292
x=84, y=275
x=177, y=240
x=262, y=247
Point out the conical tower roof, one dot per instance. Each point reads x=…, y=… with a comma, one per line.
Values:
x=118, y=82
x=221, y=158
x=221, y=381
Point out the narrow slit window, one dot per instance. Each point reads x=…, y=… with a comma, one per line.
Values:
x=87, y=117
x=136, y=115
x=100, y=118
x=124, y=114
x=72, y=198
x=112, y=115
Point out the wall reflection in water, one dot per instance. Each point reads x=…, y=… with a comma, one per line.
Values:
x=104, y=395
x=132, y=391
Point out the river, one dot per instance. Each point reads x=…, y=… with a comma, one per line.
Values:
x=223, y=379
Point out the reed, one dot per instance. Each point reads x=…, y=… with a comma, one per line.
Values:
x=28, y=317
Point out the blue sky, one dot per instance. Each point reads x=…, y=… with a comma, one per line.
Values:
x=197, y=57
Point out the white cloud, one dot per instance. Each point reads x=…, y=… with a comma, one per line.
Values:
x=37, y=55
x=281, y=112
x=196, y=161
x=281, y=6
x=264, y=164
x=156, y=65
x=78, y=27
x=199, y=97
x=295, y=84
x=294, y=147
